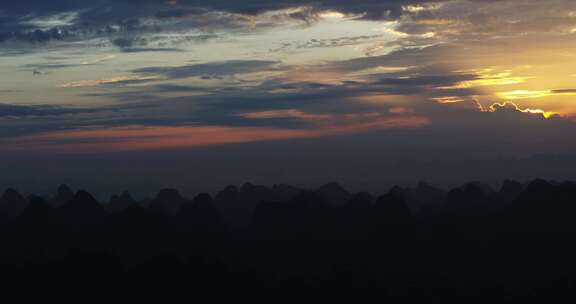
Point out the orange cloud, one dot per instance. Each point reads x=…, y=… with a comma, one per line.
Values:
x=135, y=138
x=292, y=113
x=317, y=119
x=400, y=110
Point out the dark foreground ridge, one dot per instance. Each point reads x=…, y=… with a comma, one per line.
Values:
x=282, y=240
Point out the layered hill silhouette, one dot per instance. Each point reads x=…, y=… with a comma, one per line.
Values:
x=513, y=240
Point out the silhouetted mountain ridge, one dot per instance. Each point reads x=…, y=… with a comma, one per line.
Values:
x=407, y=240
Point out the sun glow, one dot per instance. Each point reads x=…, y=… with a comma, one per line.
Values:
x=485, y=78
x=497, y=106
x=526, y=94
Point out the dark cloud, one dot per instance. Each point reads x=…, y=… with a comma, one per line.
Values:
x=223, y=105
x=113, y=17
x=404, y=57
x=148, y=50
x=212, y=70
x=325, y=43
x=246, y=7
x=174, y=88
x=480, y=20
x=48, y=66
x=124, y=19
x=564, y=91
x=22, y=111
x=130, y=44
x=124, y=42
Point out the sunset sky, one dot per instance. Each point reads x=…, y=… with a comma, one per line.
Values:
x=195, y=93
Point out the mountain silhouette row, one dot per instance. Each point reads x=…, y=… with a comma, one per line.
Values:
x=242, y=206
x=285, y=240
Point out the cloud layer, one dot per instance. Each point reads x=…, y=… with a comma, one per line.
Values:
x=376, y=82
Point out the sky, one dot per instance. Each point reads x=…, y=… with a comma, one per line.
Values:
x=196, y=94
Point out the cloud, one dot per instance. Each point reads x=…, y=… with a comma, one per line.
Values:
x=478, y=20
x=510, y=106
x=528, y=94
x=118, y=80
x=326, y=43
x=52, y=21
x=455, y=83
x=212, y=69
x=37, y=22
x=26, y=111
x=564, y=91
x=48, y=66
x=147, y=50
x=138, y=45
x=146, y=138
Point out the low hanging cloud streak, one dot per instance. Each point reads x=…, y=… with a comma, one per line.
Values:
x=23, y=111
x=208, y=70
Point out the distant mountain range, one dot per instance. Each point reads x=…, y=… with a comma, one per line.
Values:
x=516, y=240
